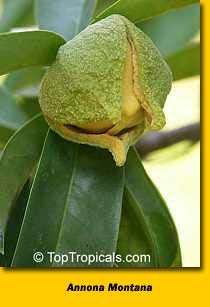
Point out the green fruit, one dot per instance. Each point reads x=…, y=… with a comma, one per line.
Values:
x=107, y=86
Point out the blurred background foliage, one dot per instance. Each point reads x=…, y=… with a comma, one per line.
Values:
x=172, y=157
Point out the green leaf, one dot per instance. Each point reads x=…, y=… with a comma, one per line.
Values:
x=178, y=260
x=5, y=134
x=11, y=116
x=25, y=82
x=101, y=5
x=133, y=239
x=138, y=10
x=75, y=205
x=13, y=13
x=28, y=18
x=173, y=31
x=65, y=17
x=186, y=62
x=14, y=113
x=151, y=210
x=14, y=225
x=26, y=49
x=16, y=164
x=30, y=106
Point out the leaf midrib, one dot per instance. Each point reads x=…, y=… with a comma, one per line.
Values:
x=29, y=198
x=142, y=220
x=68, y=196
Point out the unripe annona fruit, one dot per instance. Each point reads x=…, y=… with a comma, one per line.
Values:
x=106, y=87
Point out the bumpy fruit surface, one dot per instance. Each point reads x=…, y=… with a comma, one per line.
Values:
x=106, y=87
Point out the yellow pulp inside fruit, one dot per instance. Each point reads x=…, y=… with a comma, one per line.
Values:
x=96, y=127
x=132, y=113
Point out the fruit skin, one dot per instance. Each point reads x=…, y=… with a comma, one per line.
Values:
x=82, y=93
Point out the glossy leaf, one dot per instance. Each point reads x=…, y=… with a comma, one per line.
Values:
x=133, y=239
x=75, y=204
x=186, y=62
x=25, y=82
x=30, y=106
x=11, y=116
x=65, y=17
x=151, y=209
x=13, y=13
x=14, y=225
x=5, y=134
x=28, y=20
x=173, y=31
x=178, y=260
x=101, y=5
x=138, y=10
x=26, y=49
x=16, y=164
x=14, y=114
